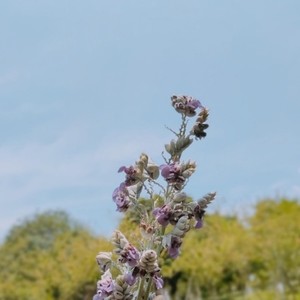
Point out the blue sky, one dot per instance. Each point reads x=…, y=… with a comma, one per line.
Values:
x=85, y=87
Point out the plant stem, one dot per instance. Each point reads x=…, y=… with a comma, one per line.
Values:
x=163, y=229
x=141, y=289
x=148, y=288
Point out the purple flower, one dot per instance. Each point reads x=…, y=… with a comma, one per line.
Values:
x=173, y=175
x=121, y=198
x=130, y=255
x=199, y=224
x=133, y=256
x=132, y=175
x=163, y=214
x=105, y=286
x=130, y=278
x=199, y=214
x=186, y=105
x=174, y=246
x=193, y=104
x=159, y=282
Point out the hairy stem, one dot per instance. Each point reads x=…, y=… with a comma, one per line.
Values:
x=141, y=289
x=149, y=285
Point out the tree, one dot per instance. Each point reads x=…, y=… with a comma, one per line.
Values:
x=276, y=246
x=49, y=256
x=213, y=261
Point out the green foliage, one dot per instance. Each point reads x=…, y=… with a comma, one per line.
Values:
x=276, y=245
x=49, y=257
x=213, y=258
x=52, y=257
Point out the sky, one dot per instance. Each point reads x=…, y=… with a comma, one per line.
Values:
x=85, y=88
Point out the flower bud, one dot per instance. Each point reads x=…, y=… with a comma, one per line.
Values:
x=122, y=290
x=207, y=199
x=176, y=147
x=119, y=241
x=153, y=170
x=188, y=168
x=180, y=197
x=171, y=148
x=104, y=260
x=203, y=115
x=182, y=226
x=144, y=159
x=148, y=262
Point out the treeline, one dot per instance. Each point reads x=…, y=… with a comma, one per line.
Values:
x=52, y=257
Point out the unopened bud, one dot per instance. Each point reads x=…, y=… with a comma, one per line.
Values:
x=119, y=241
x=104, y=260
x=180, y=197
x=182, y=226
x=148, y=262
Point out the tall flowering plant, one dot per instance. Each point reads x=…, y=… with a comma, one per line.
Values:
x=164, y=218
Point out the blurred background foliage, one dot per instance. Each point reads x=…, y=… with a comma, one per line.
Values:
x=50, y=256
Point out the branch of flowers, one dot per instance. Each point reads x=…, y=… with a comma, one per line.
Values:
x=170, y=208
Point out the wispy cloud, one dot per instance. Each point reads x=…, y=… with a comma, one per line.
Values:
x=29, y=169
